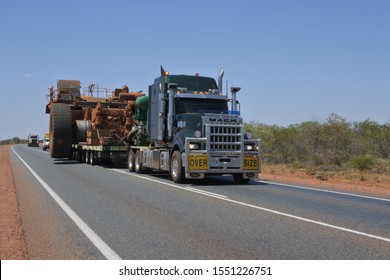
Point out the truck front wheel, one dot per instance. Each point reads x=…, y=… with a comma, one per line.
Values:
x=177, y=171
x=239, y=179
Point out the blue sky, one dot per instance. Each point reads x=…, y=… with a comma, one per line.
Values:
x=295, y=61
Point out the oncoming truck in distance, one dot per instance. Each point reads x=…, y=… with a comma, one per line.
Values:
x=32, y=140
x=184, y=126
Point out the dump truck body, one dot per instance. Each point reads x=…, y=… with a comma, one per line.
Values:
x=88, y=121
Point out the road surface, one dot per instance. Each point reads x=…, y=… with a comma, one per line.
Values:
x=76, y=211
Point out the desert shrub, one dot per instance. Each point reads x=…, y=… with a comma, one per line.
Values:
x=335, y=142
x=363, y=162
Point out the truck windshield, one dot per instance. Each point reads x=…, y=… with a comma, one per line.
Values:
x=189, y=122
x=193, y=83
x=201, y=106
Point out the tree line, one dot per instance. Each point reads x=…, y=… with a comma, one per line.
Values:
x=14, y=140
x=334, y=142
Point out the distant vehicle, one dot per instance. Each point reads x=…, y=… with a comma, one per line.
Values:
x=32, y=140
x=45, y=142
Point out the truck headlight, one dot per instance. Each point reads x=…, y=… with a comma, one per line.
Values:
x=194, y=146
x=249, y=147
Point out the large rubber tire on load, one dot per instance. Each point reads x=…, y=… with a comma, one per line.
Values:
x=60, y=131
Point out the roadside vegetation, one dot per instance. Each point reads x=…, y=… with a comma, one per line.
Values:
x=334, y=148
x=14, y=140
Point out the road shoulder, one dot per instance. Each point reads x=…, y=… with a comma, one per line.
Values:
x=12, y=239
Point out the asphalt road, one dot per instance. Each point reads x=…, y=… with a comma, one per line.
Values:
x=76, y=211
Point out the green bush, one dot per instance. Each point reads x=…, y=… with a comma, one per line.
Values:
x=363, y=163
x=335, y=142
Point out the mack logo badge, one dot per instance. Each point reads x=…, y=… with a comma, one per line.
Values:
x=223, y=120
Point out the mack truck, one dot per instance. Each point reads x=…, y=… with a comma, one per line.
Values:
x=185, y=127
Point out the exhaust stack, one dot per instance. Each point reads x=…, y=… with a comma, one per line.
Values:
x=220, y=79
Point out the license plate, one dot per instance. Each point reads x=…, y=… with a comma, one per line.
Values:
x=198, y=162
x=250, y=163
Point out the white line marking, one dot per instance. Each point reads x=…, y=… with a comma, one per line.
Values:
x=322, y=190
x=205, y=192
x=260, y=208
x=91, y=235
x=40, y=151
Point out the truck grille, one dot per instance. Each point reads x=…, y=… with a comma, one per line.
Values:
x=225, y=137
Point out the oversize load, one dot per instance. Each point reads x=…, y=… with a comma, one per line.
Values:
x=198, y=162
x=250, y=163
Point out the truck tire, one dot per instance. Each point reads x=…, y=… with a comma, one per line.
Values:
x=177, y=171
x=60, y=131
x=239, y=179
x=130, y=161
x=93, y=158
x=87, y=157
x=138, y=162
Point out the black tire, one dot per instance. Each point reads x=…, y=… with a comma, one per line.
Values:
x=130, y=161
x=80, y=156
x=138, y=162
x=87, y=157
x=60, y=131
x=83, y=155
x=239, y=179
x=92, y=158
x=177, y=171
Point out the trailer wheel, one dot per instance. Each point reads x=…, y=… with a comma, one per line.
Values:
x=92, y=158
x=239, y=179
x=177, y=171
x=83, y=156
x=60, y=130
x=80, y=156
x=87, y=157
x=138, y=162
x=130, y=161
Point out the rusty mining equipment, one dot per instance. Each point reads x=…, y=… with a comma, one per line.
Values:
x=96, y=117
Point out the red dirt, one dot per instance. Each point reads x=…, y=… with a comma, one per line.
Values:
x=12, y=242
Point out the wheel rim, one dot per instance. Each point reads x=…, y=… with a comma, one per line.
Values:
x=137, y=164
x=130, y=162
x=87, y=155
x=175, y=167
x=92, y=158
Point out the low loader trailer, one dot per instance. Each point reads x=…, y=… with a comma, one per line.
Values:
x=95, y=154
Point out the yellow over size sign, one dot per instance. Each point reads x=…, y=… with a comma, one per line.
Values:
x=198, y=162
x=250, y=163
